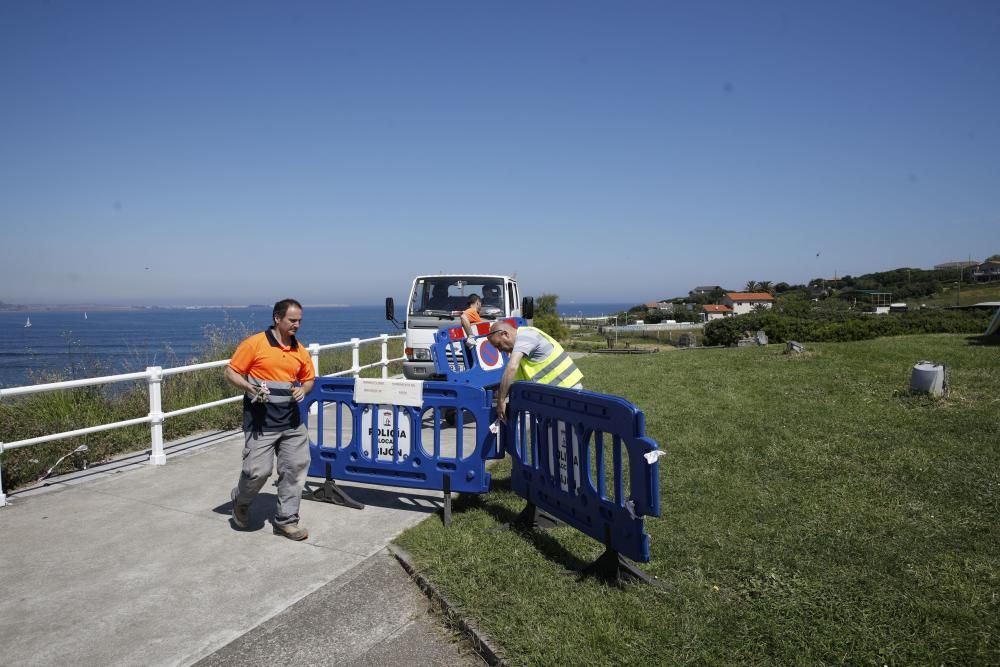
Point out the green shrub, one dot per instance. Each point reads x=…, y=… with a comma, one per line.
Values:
x=547, y=317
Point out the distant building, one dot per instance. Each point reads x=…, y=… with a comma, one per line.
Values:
x=716, y=312
x=704, y=290
x=665, y=306
x=743, y=302
x=955, y=265
x=875, y=301
x=987, y=272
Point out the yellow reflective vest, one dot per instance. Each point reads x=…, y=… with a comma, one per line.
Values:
x=556, y=369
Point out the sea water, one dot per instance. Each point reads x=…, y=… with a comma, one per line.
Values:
x=68, y=344
x=74, y=344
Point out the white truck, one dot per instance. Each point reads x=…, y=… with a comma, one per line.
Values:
x=438, y=301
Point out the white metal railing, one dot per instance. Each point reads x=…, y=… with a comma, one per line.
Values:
x=662, y=326
x=153, y=375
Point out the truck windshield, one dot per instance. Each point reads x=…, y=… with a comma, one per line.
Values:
x=449, y=295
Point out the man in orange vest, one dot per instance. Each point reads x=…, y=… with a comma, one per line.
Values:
x=275, y=373
x=471, y=316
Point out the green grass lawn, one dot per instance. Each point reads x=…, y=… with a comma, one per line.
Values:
x=813, y=512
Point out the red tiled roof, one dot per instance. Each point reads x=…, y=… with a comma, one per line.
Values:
x=750, y=296
x=712, y=308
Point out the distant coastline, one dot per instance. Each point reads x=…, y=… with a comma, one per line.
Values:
x=99, y=308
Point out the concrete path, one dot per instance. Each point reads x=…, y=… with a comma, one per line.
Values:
x=371, y=615
x=132, y=564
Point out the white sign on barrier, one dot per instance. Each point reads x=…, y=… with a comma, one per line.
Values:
x=389, y=392
x=386, y=429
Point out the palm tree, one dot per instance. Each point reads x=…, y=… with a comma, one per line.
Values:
x=751, y=286
x=765, y=286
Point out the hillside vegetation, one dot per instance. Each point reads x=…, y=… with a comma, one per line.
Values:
x=804, y=321
x=930, y=287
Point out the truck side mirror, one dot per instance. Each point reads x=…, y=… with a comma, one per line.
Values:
x=390, y=309
x=527, y=307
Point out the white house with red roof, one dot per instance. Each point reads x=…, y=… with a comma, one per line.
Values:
x=744, y=302
x=716, y=311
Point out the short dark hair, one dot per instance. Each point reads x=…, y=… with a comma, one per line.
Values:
x=282, y=307
x=473, y=300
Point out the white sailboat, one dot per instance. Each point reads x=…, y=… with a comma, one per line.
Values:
x=27, y=323
x=84, y=314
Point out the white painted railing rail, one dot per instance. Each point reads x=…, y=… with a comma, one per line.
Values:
x=153, y=375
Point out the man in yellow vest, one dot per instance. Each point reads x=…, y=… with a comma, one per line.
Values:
x=534, y=356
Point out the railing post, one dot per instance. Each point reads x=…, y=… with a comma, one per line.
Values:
x=356, y=356
x=385, y=356
x=156, y=455
x=314, y=355
x=3, y=496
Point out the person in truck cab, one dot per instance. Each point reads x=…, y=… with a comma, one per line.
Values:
x=439, y=298
x=492, y=297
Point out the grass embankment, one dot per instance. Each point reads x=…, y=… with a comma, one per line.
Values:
x=813, y=512
x=66, y=410
x=968, y=295
x=590, y=339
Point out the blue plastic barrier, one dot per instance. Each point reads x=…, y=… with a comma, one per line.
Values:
x=559, y=441
x=456, y=363
x=385, y=444
x=578, y=455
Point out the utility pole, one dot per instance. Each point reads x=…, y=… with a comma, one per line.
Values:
x=958, y=296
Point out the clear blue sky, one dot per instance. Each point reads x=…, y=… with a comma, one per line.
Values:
x=603, y=151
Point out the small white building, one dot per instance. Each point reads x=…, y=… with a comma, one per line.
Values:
x=744, y=302
x=716, y=312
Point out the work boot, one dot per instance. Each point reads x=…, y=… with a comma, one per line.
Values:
x=241, y=515
x=292, y=531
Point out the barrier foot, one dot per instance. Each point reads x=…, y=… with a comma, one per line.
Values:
x=331, y=493
x=446, y=515
x=531, y=518
x=615, y=568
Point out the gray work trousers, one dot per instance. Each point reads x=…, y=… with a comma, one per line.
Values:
x=291, y=448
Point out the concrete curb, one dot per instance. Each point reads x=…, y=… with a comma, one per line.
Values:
x=480, y=642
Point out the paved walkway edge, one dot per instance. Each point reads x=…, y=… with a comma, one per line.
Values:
x=480, y=642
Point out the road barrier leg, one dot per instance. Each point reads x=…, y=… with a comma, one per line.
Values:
x=613, y=567
x=331, y=493
x=447, y=501
x=531, y=518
